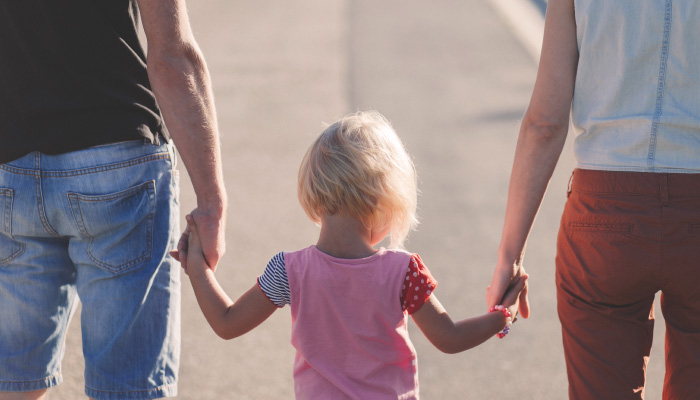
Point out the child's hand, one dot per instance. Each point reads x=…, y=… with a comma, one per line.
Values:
x=511, y=300
x=180, y=253
x=195, y=256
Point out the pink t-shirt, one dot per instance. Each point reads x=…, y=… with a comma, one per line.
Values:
x=348, y=328
x=418, y=281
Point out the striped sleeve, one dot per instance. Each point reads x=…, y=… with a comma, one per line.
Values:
x=273, y=282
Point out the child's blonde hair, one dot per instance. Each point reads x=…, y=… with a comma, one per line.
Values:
x=360, y=166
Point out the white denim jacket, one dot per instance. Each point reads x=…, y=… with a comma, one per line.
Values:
x=636, y=104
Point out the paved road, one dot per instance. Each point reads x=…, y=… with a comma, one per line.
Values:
x=454, y=81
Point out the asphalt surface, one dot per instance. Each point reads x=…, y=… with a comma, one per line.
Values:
x=455, y=81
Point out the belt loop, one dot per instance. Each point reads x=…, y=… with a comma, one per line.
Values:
x=663, y=188
x=568, y=189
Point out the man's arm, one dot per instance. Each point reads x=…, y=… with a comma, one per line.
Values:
x=182, y=86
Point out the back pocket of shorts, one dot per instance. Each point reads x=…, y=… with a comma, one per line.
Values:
x=118, y=227
x=9, y=247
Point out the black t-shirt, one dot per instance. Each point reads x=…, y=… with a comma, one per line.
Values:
x=72, y=76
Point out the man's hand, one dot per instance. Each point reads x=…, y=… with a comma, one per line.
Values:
x=195, y=256
x=212, y=231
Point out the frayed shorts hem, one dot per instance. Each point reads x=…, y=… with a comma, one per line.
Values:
x=155, y=393
x=30, y=386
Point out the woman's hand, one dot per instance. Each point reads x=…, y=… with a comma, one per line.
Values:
x=516, y=296
x=505, y=278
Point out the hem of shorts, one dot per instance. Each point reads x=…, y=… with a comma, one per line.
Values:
x=30, y=386
x=155, y=393
x=663, y=170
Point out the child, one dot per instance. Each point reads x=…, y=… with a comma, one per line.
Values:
x=349, y=300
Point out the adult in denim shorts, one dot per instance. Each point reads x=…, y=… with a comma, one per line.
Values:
x=89, y=190
x=626, y=73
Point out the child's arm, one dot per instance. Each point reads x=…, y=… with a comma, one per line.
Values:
x=453, y=337
x=228, y=319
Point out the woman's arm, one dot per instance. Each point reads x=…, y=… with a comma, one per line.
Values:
x=454, y=337
x=228, y=319
x=542, y=136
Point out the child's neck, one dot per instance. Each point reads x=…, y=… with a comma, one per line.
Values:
x=343, y=236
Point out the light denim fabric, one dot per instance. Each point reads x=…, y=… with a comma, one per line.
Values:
x=98, y=223
x=636, y=104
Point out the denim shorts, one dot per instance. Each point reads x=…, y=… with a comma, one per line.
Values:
x=96, y=223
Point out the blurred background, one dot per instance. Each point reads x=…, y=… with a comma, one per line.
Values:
x=454, y=77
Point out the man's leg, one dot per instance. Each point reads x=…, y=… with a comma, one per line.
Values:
x=124, y=217
x=37, y=286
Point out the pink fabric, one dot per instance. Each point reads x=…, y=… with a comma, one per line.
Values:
x=348, y=327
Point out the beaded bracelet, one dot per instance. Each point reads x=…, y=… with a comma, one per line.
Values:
x=509, y=320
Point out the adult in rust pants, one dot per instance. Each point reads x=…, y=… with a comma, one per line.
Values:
x=625, y=236
x=623, y=75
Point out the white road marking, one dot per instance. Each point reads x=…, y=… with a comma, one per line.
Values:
x=526, y=21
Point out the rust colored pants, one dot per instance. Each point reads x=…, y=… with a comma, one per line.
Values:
x=625, y=236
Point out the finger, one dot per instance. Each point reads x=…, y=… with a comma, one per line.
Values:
x=191, y=223
x=181, y=252
x=522, y=281
x=175, y=254
x=183, y=258
x=524, y=303
x=182, y=243
x=496, y=291
x=182, y=247
x=194, y=228
x=517, y=285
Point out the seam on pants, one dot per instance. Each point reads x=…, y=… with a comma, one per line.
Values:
x=622, y=227
x=40, y=196
x=663, y=188
x=85, y=171
x=7, y=210
x=658, y=108
x=6, y=202
x=33, y=380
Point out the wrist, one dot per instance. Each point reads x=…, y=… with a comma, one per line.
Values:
x=213, y=205
x=199, y=272
x=509, y=258
x=508, y=319
x=510, y=249
x=513, y=311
